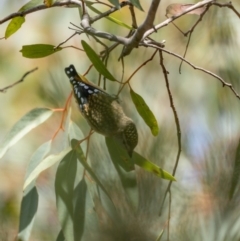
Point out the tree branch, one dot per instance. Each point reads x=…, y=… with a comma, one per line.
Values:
x=17, y=82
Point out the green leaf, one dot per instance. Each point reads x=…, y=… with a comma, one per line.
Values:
x=64, y=188
x=119, y=154
x=30, y=4
x=36, y=158
x=43, y=165
x=96, y=61
x=114, y=2
x=80, y=193
x=60, y=236
x=13, y=26
x=236, y=172
x=145, y=112
x=31, y=120
x=136, y=4
x=151, y=167
x=114, y=20
x=38, y=50
x=28, y=211
x=75, y=146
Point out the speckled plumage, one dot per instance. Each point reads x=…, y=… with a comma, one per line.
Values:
x=102, y=111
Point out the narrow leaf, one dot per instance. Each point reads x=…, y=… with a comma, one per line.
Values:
x=36, y=158
x=13, y=26
x=136, y=4
x=96, y=61
x=80, y=193
x=31, y=120
x=114, y=2
x=145, y=112
x=236, y=172
x=114, y=20
x=48, y=3
x=38, y=50
x=151, y=167
x=60, y=236
x=44, y=164
x=30, y=4
x=28, y=211
x=82, y=159
x=64, y=188
x=119, y=154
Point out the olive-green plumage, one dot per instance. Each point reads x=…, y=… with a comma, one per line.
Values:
x=103, y=112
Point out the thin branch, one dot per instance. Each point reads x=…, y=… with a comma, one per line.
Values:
x=40, y=7
x=171, y=19
x=135, y=71
x=108, y=12
x=228, y=5
x=17, y=82
x=178, y=128
x=191, y=31
x=64, y=113
x=66, y=40
x=224, y=83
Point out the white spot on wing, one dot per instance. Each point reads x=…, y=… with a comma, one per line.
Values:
x=90, y=91
x=85, y=87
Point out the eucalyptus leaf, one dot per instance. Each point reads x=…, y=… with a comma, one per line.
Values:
x=31, y=120
x=35, y=51
x=13, y=26
x=145, y=112
x=96, y=61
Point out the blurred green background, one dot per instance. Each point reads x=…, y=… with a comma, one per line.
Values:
x=209, y=116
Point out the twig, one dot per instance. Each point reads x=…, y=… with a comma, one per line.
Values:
x=191, y=31
x=40, y=7
x=178, y=128
x=17, y=82
x=108, y=12
x=169, y=215
x=224, y=83
x=228, y=5
x=64, y=112
x=171, y=19
x=136, y=70
x=66, y=40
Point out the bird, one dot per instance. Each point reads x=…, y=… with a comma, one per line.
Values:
x=103, y=111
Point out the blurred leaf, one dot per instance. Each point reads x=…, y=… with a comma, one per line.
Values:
x=36, y=158
x=119, y=154
x=31, y=120
x=13, y=26
x=160, y=235
x=236, y=172
x=60, y=236
x=75, y=146
x=145, y=112
x=80, y=209
x=114, y=20
x=38, y=50
x=28, y=211
x=30, y=4
x=136, y=4
x=75, y=132
x=114, y=2
x=48, y=3
x=177, y=8
x=64, y=188
x=44, y=164
x=96, y=61
x=151, y=167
